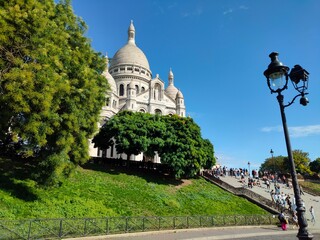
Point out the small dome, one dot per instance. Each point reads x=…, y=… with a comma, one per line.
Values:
x=172, y=91
x=111, y=81
x=179, y=94
x=108, y=76
x=131, y=85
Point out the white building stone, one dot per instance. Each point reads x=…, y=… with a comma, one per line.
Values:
x=133, y=88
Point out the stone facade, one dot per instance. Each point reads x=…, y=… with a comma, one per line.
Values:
x=133, y=88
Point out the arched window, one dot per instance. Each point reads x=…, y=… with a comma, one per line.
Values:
x=158, y=111
x=142, y=89
x=121, y=90
x=157, y=91
x=137, y=89
x=142, y=110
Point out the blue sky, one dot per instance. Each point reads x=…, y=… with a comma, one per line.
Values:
x=218, y=50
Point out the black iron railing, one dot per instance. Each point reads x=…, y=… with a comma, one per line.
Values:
x=64, y=228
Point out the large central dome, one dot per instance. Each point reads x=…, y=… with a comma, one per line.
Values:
x=130, y=54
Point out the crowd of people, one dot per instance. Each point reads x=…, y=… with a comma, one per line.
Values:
x=274, y=183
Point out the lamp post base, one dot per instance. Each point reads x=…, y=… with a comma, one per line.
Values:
x=305, y=237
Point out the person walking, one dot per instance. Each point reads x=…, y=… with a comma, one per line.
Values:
x=313, y=219
x=272, y=195
x=283, y=221
x=268, y=184
x=295, y=219
x=301, y=191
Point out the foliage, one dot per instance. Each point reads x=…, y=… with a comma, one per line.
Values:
x=207, y=150
x=315, y=165
x=281, y=164
x=114, y=192
x=184, y=149
x=301, y=161
x=177, y=140
x=274, y=164
x=51, y=87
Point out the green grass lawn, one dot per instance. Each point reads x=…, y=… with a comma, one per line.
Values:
x=96, y=191
x=311, y=187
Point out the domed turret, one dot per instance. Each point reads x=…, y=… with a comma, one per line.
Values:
x=171, y=89
x=179, y=94
x=108, y=76
x=131, y=85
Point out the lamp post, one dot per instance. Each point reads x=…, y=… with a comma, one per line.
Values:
x=249, y=168
x=277, y=80
x=274, y=168
x=271, y=152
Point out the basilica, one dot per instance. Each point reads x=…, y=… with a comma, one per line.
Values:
x=132, y=87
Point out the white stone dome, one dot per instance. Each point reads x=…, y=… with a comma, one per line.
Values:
x=179, y=94
x=111, y=81
x=130, y=54
x=107, y=75
x=172, y=91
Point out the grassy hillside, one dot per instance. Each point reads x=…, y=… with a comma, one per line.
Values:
x=95, y=191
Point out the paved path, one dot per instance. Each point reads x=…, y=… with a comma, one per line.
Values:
x=308, y=199
x=237, y=233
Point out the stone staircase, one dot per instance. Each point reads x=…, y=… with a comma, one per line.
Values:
x=253, y=197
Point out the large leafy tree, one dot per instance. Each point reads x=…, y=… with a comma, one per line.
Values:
x=51, y=87
x=208, y=154
x=301, y=161
x=276, y=164
x=177, y=140
x=132, y=132
x=315, y=165
x=281, y=164
x=183, y=148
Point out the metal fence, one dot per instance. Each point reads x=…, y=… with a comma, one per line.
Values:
x=65, y=228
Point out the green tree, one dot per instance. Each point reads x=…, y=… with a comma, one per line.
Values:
x=51, y=87
x=156, y=128
x=315, y=165
x=183, y=149
x=129, y=131
x=301, y=160
x=208, y=152
x=281, y=164
x=177, y=140
x=275, y=164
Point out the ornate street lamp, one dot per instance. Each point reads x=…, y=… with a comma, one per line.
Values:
x=271, y=152
x=277, y=80
x=274, y=168
x=249, y=168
